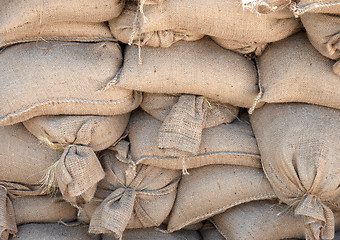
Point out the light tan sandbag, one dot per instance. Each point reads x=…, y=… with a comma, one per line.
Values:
x=79, y=20
x=175, y=20
x=209, y=232
x=133, y=197
x=61, y=78
x=232, y=144
x=315, y=6
x=78, y=170
x=53, y=231
x=293, y=71
x=224, y=76
x=300, y=156
x=213, y=189
x=323, y=31
x=152, y=234
x=265, y=6
x=24, y=158
x=265, y=220
x=69, y=31
x=184, y=119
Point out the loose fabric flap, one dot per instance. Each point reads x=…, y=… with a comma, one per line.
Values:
x=77, y=172
x=182, y=128
x=7, y=216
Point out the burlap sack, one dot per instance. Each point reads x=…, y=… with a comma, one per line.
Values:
x=211, y=190
x=78, y=170
x=69, y=31
x=224, y=76
x=53, y=231
x=49, y=20
x=300, y=156
x=61, y=78
x=23, y=158
x=184, y=117
x=152, y=234
x=209, y=232
x=293, y=71
x=265, y=6
x=189, y=20
x=265, y=220
x=133, y=197
x=315, y=6
x=232, y=144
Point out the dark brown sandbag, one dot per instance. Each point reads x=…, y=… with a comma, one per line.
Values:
x=232, y=144
x=300, y=156
x=78, y=170
x=224, y=76
x=24, y=159
x=132, y=197
x=33, y=20
x=293, y=71
x=152, y=234
x=213, y=189
x=175, y=20
x=65, y=78
x=53, y=231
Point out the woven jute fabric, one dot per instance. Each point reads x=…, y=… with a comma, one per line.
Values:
x=69, y=31
x=300, y=156
x=209, y=231
x=265, y=6
x=293, y=71
x=62, y=78
x=315, y=6
x=79, y=20
x=53, y=231
x=151, y=233
x=265, y=220
x=323, y=31
x=211, y=190
x=7, y=218
x=133, y=197
x=232, y=144
x=230, y=78
x=221, y=19
x=24, y=159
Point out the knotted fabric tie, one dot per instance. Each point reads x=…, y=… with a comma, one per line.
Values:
x=319, y=219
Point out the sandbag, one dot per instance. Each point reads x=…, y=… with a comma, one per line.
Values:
x=78, y=170
x=132, y=197
x=62, y=78
x=293, y=71
x=175, y=20
x=214, y=189
x=224, y=76
x=315, y=6
x=53, y=231
x=300, y=156
x=152, y=234
x=49, y=20
x=232, y=144
x=24, y=158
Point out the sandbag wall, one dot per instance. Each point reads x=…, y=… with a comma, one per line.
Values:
x=172, y=119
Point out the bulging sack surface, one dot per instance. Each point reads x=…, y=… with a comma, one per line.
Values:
x=184, y=20
x=133, y=197
x=152, y=234
x=63, y=20
x=265, y=220
x=211, y=190
x=224, y=76
x=62, y=78
x=24, y=158
x=232, y=144
x=53, y=231
x=300, y=156
x=293, y=71
x=78, y=170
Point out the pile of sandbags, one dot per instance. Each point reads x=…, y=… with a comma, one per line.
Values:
x=218, y=120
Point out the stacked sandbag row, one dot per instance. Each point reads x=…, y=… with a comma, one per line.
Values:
x=189, y=153
x=56, y=113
